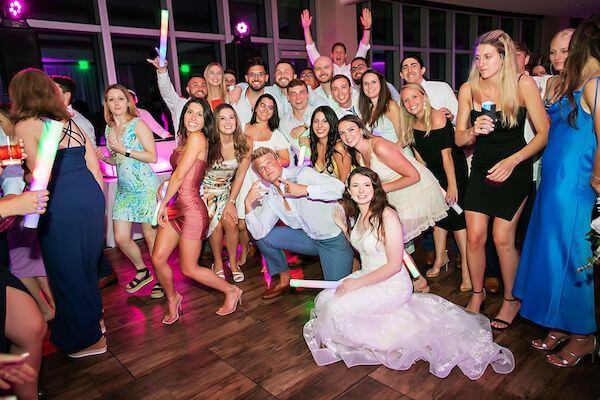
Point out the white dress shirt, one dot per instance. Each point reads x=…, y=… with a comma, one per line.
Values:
x=174, y=102
x=84, y=124
x=352, y=110
x=289, y=122
x=313, y=54
x=313, y=213
x=441, y=95
x=243, y=108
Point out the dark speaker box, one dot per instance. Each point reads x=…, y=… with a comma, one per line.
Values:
x=19, y=49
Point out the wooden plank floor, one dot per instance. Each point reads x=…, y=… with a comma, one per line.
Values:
x=259, y=353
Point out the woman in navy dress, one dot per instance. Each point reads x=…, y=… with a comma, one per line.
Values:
x=71, y=232
x=552, y=292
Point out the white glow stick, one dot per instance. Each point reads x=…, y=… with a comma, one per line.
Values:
x=46, y=153
x=314, y=284
x=301, y=156
x=164, y=30
x=160, y=196
x=410, y=264
x=454, y=206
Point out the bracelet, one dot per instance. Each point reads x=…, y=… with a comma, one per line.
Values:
x=231, y=201
x=127, y=152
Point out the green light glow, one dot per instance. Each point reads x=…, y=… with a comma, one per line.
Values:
x=185, y=68
x=84, y=65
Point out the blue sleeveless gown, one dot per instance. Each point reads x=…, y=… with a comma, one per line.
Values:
x=552, y=292
x=71, y=237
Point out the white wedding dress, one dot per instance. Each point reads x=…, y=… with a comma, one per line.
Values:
x=387, y=324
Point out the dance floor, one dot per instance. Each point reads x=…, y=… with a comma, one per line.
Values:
x=259, y=353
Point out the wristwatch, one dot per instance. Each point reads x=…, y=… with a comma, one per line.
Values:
x=127, y=153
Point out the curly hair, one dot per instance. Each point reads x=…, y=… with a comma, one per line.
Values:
x=240, y=145
x=332, y=137
x=378, y=203
x=208, y=128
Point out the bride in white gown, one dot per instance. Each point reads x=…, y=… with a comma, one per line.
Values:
x=374, y=318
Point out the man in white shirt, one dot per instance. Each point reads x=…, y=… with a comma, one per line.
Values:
x=68, y=89
x=346, y=100
x=358, y=67
x=441, y=96
x=294, y=125
x=324, y=73
x=303, y=200
x=196, y=88
x=338, y=50
x=257, y=78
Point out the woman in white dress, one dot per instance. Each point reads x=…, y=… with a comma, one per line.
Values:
x=374, y=318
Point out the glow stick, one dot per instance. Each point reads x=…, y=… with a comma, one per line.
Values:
x=454, y=206
x=410, y=264
x=164, y=30
x=159, y=197
x=46, y=152
x=314, y=284
x=301, y=156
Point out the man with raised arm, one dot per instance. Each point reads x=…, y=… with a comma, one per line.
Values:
x=196, y=88
x=303, y=200
x=338, y=50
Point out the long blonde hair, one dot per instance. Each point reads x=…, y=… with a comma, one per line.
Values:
x=222, y=90
x=509, y=86
x=408, y=119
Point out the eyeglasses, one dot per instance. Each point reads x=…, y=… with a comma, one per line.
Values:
x=307, y=76
x=264, y=106
x=256, y=74
x=357, y=67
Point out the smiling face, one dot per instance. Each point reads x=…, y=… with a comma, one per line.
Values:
x=284, y=73
x=227, y=123
x=357, y=69
x=342, y=92
x=229, y=80
x=413, y=101
x=214, y=75
x=371, y=85
x=412, y=72
x=298, y=97
x=193, y=118
x=487, y=60
x=268, y=168
x=320, y=125
x=361, y=189
x=308, y=77
x=117, y=102
x=338, y=55
x=323, y=69
x=257, y=77
x=350, y=133
x=559, y=51
x=264, y=109
x=197, y=87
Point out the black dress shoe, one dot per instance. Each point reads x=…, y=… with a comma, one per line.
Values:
x=107, y=281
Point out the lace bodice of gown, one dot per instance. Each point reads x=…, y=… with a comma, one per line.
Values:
x=371, y=250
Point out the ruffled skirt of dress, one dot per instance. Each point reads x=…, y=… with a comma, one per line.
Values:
x=387, y=324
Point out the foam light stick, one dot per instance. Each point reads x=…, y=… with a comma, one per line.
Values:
x=454, y=206
x=46, y=153
x=314, y=284
x=162, y=191
x=301, y=156
x=410, y=264
x=164, y=30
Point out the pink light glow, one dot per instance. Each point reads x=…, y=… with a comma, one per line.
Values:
x=15, y=8
x=242, y=28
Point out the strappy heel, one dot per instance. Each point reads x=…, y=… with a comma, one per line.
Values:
x=178, y=312
x=506, y=323
x=564, y=363
x=220, y=273
x=232, y=310
x=434, y=273
x=482, y=305
x=541, y=344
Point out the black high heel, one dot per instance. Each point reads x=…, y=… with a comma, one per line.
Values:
x=482, y=305
x=508, y=324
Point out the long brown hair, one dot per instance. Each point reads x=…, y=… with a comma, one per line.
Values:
x=509, y=86
x=378, y=203
x=132, y=111
x=240, y=145
x=365, y=105
x=585, y=44
x=208, y=128
x=365, y=132
x=35, y=95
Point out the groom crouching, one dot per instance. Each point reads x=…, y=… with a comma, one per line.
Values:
x=303, y=200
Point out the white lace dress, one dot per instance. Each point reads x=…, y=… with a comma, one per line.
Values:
x=420, y=205
x=387, y=324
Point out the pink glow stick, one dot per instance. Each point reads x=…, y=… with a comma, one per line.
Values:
x=314, y=284
x=46, y=153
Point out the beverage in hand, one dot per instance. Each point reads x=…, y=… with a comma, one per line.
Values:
x=11, y=155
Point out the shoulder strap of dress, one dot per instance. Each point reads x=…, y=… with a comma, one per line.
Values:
x=595, y=96
x=519, y=78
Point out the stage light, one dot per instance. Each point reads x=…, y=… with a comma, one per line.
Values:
x=242, y=29
x=83, y=65
x=15, y=9
x=184, y=68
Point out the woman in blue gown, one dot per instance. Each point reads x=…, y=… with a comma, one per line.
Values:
x=71, y=232
x=553, y=293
